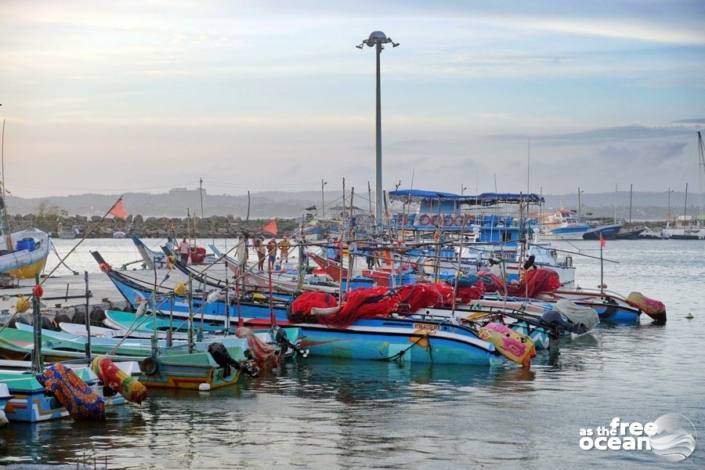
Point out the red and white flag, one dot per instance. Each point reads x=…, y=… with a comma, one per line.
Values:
x=271, y=227
x=118, y=210
x=603, y=242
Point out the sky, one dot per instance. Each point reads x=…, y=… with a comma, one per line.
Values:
x=113, y=97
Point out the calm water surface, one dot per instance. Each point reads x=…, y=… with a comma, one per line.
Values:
x=347, y=414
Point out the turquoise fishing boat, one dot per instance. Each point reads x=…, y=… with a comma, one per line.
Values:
x=31, y=403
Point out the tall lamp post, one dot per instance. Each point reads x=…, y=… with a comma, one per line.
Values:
x=323, y=198
x=668, y=217
x=377, y=40
x=580, y=192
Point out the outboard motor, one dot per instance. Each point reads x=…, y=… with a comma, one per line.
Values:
x=556, y=323
x=282, y=340
x=554, y=318
x=225, y=360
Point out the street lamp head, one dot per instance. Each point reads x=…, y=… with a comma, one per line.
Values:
x=377, y=38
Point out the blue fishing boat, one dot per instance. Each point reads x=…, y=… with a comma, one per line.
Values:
x=383, y=337
x=150, y=258
x=418, y=341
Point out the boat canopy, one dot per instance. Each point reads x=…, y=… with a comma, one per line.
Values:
x=484, y=199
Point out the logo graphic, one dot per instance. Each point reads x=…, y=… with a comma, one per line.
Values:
x=671, y=436
x=674, y=439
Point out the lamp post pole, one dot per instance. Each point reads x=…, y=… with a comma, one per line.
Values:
x=323, y=198
x=377, y=40
x=579, y=203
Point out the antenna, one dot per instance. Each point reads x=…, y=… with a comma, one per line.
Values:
x=528, y=167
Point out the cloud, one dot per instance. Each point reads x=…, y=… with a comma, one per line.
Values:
x=653, y=154
x=621, y=29
x=607, y=134
x=690, y=121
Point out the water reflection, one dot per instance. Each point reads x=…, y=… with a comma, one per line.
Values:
x=366, y=414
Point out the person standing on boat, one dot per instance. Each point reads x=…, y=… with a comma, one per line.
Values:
x=184, y=251
x=284, y=250
x=261, y=254
x=530, y=263
x=271, y=253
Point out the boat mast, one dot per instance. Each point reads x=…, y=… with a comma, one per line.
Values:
x=685, y=205
x=701, y=170
x=4, y=224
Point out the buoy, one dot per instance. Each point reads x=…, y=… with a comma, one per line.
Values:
x=22, y=304
x=689, y=316
x=204, y=387
x=117, y=380
x=37, y=291
x=180, y=289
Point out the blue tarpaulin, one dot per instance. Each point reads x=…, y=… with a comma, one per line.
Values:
x=480, y=199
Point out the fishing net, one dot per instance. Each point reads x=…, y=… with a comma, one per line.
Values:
x=536, y=281
x=302, y=306
x=264, y=355
x=74, y=394
x=445, y=292
x=363, y=303
x=491, y=282
x=419, y=296
x=472, y=292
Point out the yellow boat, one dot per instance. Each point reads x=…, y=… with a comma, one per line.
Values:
x=27, y=255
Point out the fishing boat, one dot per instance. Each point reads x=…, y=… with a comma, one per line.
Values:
x=419, y=341
x=282, y=281
x=606, y=232
x=367, y=338
x=31, y=403
x=23, y=254
x=176, y=365
x=613, y=307
x=112, y=332
x=563, y=225
x=150, y=258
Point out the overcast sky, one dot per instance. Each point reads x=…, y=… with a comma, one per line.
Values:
x=149, y=95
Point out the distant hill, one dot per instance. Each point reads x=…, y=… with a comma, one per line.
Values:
x=175, y=203
x=178, y=201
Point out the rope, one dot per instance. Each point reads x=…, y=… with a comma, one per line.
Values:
x=61, y=261
x=400, y=354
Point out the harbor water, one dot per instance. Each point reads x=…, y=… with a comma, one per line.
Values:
x=363, y=414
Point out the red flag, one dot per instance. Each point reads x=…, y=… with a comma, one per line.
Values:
x=271, y=227
x=603, y=242
x=118, y=210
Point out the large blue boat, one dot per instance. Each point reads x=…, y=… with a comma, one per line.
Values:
x=434, y=341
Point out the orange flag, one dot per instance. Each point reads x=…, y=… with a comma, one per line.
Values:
x=271, y=227
x=118, y=210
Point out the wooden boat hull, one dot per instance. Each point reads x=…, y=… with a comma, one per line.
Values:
x=31, y=404
x=189, y=377
x=406, y=340
x=25, y=263
x=29, y=271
